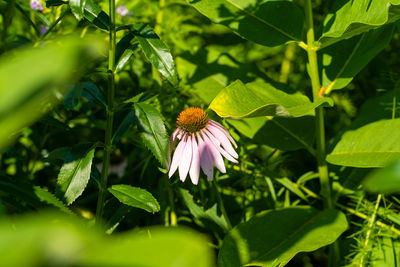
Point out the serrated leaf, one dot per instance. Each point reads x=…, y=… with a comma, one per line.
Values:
x=259, y=98
x=135, y=197
x=262, y=22
x=373, y=145
x=156, y=52
x=75, y=172
x=274, y=237
x=351, y=18
x=49, y=198
x=152, y=131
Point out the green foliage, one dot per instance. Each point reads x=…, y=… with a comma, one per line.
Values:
x=273, y=238
x=256, y=99
x=257, y=21
x=135, y=197
x=386, y=180
x=373, y=145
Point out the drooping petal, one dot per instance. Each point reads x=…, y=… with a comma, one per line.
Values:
x=194, y=171
x=221, y=137
x=172, y=141
x=216, y=156
x=222, y=128
x=186, y=159
x=217, y=145
x=176, y=158
x=206, y=161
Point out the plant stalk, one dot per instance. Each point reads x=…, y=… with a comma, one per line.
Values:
x=221, y=204
x=319, y=112
x=109, y=111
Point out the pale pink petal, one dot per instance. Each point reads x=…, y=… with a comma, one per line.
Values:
x=222, y=128
x=177, y=158
x=206, y=161
x=186, y=159
x=221, y=137
x=217, y=145
x=172, y=141
x=216, y=156
x=195, y=166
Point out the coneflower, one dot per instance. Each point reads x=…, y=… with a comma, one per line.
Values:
x=202, y=144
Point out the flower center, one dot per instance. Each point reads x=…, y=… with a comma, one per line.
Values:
x=192, y=119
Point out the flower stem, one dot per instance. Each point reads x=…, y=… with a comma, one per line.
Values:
x=319, y=112
x=221, y=204
x=109, y=111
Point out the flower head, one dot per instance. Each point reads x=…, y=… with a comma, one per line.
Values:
x=202, y=144
x=122, y=10
x=36, y=5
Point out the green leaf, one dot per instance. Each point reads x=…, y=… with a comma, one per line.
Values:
x=124, y=51
x=32, y=93
x=342, y=61
x=350, y=18
x=92, y=92
x=75, y=172
x=386, y=180
x=266, y=22
x=152, y=131
x=52, y=239
x=49, y=198
x=128, y=53
x=50, y=3
x=274, y=237
x=126, y=122
x=95, y=15
x=77, y=8
x=135, y=197
x=208, y=217
x=156, y=52
x=373, y=145
x=259, y=98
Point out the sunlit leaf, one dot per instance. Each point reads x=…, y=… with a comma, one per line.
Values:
x=94, y=14
x=135, y=197
x=258, y=21
x=77, y=8
x=156, y=52
x=274, y=237
x=373, y=145
x=49, y=198
x=259, y=98
x=75, y=172
x=350, y=18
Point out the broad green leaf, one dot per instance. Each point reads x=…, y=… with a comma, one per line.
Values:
x=52, y=239
x=156, y=52
x=77, y=8
x=344, y=60
x=32, y=93
x=95, y=15
x=135, y=197
x=49, y=198
x=207, y=217
x=386, y=180
x=274, y=237
x=266, y=22
x=128, y=53
x=373, y=145
x=350, y=18
x=259, y=98
x=75, y=172
x=152, y=131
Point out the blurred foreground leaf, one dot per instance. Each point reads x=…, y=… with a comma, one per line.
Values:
x=386, y=180
x=24, y=98
x=274, y=237
x=135, y=197
x=259, y=98
x=373, y=145
x=49, y=239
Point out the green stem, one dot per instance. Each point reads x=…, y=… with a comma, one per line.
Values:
x=221, y=204
x=109, y=111
x=319, y=112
